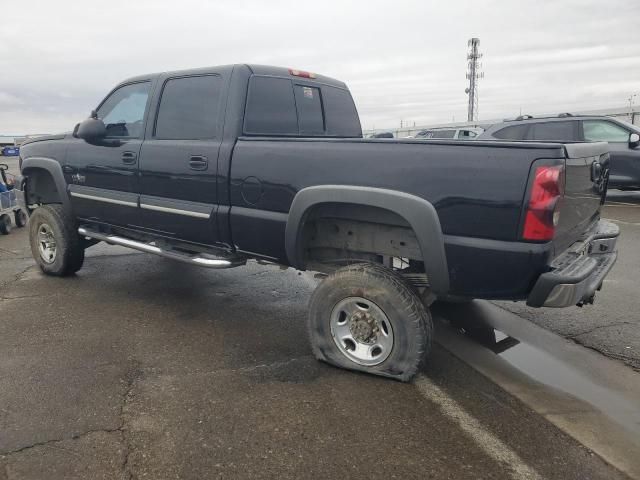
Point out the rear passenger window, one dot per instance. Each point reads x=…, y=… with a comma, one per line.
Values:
x=553, y=131
x=271, y=109
x=309, y=106
x=514, y=132
x=340, y=111
x=189, y=108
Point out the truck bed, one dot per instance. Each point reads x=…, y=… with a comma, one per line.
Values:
x=478, y=189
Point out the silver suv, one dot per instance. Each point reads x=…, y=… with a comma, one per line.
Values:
x=623, y=138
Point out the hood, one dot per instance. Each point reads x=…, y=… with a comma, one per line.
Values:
x=42, y=138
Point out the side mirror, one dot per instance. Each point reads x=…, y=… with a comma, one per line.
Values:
x=91, y=129
x=634, y=140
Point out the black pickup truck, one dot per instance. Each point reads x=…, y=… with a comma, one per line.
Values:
x=215, y=166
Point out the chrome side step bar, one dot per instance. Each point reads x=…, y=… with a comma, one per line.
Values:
x=199, y=260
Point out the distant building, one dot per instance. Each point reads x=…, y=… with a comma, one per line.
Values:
x=7, y=141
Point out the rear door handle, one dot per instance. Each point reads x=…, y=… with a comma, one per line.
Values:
x=129, y=158
x=198, y=162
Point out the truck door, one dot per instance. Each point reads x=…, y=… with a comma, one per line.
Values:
x=178, y=160
x=102, y=175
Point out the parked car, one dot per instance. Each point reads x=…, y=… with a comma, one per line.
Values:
x=623, y=139
x=466, y=133
x=382, y=135
x=11, y=151
x=216, y=166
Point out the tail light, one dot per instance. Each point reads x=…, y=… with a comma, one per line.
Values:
x=543, y=211
x=301, y=73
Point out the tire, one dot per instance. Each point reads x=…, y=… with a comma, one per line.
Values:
x=5, y=224
x=20, y=218
x=63, y=254
x=364, y=307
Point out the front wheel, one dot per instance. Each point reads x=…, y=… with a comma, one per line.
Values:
x=55, y=243
x=365, y=317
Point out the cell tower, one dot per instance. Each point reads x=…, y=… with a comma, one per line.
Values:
x=474, y=73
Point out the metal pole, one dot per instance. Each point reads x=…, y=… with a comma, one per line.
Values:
x=473, y=74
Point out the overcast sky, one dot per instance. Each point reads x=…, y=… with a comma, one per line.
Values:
x=402, y=59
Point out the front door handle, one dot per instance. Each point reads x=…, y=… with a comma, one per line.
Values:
x=129, y=158
x=198, y=162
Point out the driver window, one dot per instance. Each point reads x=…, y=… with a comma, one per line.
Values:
x=123, y=111
x=603, y=131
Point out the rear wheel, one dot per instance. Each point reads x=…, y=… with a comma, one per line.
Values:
x=20, y=218
x=55, y=243
x=365, y=317
x=5, y=224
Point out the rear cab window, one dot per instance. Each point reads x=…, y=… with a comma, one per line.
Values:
x=341, y=115
x=288, y=107
x=309, y=109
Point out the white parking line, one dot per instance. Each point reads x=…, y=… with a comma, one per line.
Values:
x=635, y=224
x=489, y=443
x=610, y=203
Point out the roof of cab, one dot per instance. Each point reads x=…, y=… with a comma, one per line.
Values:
x=255, y=69
x=284, y=72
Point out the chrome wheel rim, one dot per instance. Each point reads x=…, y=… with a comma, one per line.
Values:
x=361, y=331
x=46, y=243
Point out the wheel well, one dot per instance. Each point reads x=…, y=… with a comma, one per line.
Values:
x=41, y=187
x=336, y=234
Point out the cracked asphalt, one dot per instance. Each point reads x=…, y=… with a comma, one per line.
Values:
x=139, y=367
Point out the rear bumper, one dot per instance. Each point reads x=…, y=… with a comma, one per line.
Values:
x=578, y=273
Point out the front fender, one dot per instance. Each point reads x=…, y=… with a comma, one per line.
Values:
x=54, y=169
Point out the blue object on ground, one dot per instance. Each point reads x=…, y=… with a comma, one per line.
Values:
x=11, y=151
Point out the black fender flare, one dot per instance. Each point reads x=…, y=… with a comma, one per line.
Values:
x=418, y=212
x=54, y=168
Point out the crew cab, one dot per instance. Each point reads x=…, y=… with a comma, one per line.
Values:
x=216, y=166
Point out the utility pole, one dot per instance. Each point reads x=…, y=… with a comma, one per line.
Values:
x=474, y=73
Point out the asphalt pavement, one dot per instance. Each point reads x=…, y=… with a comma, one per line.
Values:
x=140, y=367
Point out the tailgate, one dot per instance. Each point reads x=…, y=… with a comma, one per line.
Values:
x=586, y=175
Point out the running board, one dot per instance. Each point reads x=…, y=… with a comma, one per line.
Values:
x=201, y=261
